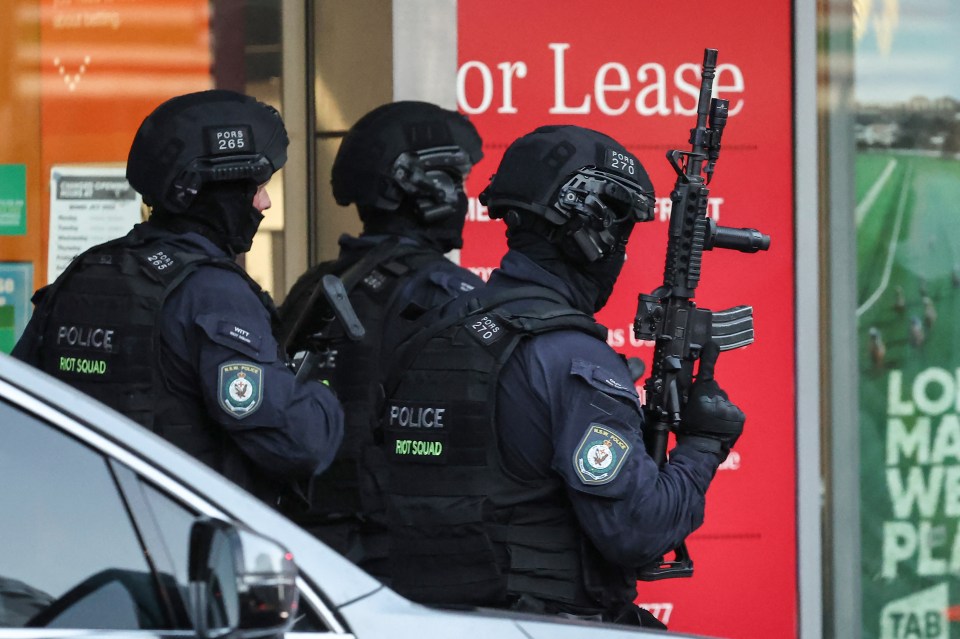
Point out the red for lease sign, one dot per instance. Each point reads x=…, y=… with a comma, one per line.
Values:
x=632, y=71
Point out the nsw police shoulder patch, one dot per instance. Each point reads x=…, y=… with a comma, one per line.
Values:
x=600, y=455
x=241, y=388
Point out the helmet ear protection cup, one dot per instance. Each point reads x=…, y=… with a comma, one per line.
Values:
x=601, y=211
x=440, y=200
x=407, y=151
x=203, y=137
x=433, y=181
x=578, y=188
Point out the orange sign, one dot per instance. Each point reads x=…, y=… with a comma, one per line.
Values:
x=104, y=65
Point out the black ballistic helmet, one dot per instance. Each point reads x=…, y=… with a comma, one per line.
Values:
x=209, y=136
x=579, y=188
x=407, y=150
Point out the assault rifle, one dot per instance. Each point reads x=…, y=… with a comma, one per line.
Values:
x=668, y=316
x=328, y=318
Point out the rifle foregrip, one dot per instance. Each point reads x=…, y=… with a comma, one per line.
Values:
x=743, y=240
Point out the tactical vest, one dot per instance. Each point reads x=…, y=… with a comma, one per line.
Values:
x=99, y=334
x=464, y=530
x=345, y=504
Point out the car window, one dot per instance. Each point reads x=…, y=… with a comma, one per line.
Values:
x=69, y=557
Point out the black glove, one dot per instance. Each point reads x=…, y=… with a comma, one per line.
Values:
x=710, y=421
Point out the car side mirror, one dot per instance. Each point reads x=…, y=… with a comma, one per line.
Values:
x=241, y=583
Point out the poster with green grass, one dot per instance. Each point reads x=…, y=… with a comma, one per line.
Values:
x=908, y=316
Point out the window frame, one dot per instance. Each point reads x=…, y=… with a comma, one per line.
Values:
x=151, y=540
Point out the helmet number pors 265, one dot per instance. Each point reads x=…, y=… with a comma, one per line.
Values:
x=600, y=455
x=229, y=140
x=240, y=388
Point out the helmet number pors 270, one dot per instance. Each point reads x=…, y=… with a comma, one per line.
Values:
x=241, y=388
x=618, y=161
x=600, y=455
x=485, y=329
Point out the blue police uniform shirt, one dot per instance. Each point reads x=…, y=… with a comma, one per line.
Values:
x=215, y=333
x=567, y=407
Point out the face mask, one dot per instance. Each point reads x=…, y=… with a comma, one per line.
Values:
x=448, y=233
x=603, y=274
x=242, y=229
x=227, y=209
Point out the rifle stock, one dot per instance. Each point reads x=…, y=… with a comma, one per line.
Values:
x=668, y=316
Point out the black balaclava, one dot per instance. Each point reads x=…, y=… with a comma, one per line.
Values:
x=590, y=282
x=223, y=212
x=444, y=235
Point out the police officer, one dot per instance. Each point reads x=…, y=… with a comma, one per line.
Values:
x=518, y=474
x=403, y=165
x=165, y=327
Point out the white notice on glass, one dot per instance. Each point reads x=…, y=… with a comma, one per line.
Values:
x=88, y=206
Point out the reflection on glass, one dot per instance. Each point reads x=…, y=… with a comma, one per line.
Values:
x=174, y=521
x=63, y=525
